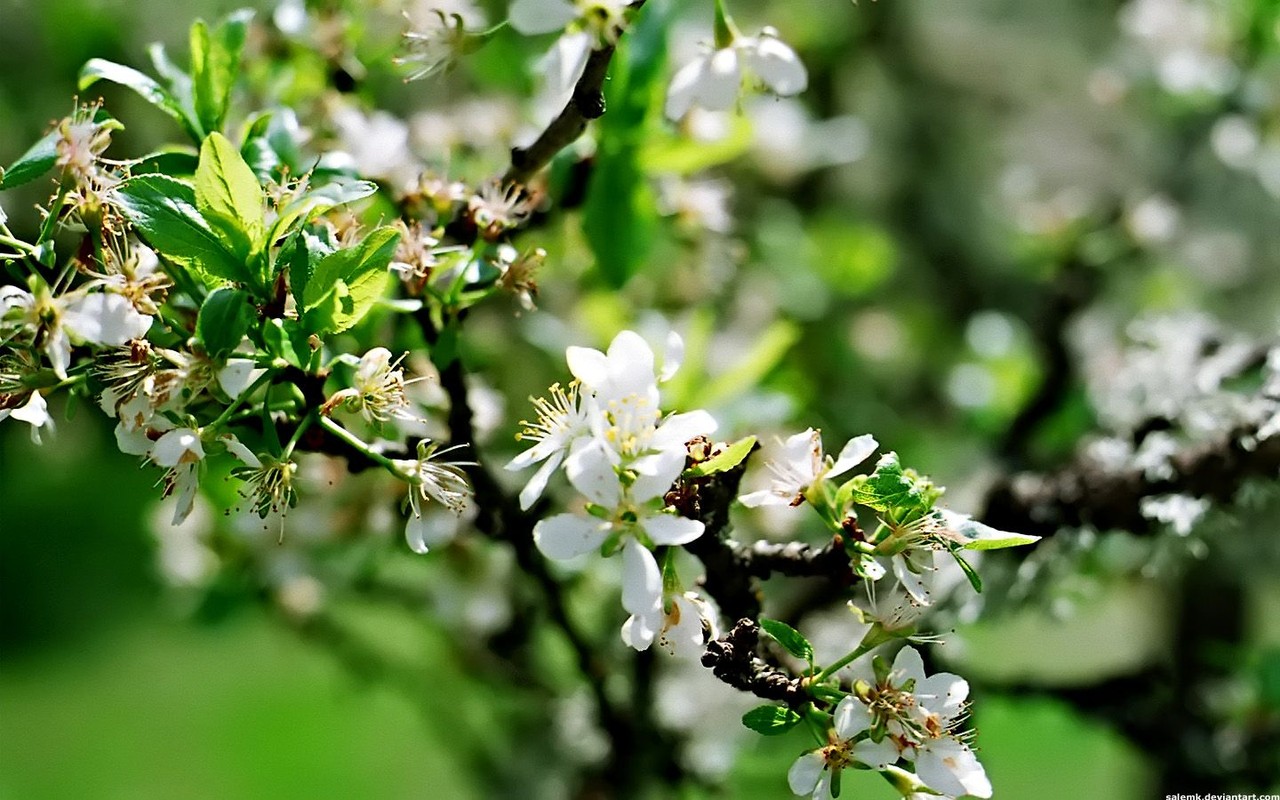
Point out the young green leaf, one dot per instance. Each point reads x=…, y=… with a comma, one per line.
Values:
x=163, y=210
x=346, y=284
x=285, y=338
x=38, y=160
x=770, y=720
x=223, y=321
x=97, y=69
x=887, y=488
x=725, y=460
x=620, y=218
x=791, y=639
x=300, y=254
x=215, y=63
x=975, y=580
x=228, y=196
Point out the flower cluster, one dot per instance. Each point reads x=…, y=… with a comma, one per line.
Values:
x=897, y=713
x=619, y=450
x=910, y=529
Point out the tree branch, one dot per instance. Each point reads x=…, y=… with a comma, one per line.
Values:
x=586, y=104
x=1089, y=494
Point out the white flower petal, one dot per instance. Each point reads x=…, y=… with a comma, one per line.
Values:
x=533, y=489
x=776, y=64
x=630, y=365
x=852, y=717
x=682, y=634
x=58, y=348
x=591, y=472
x=238, y=375
x=34, y=411
x=566, y=60
x=132, y=440
x=802, y=450
x=719, y=84
x=805, y=773
x=763, y=498
x=237, y=449
x=588, y=365
x=854, y=453
x=533, y=17
x=641, y=579
x=415, y=534
x=566, y=536
x=103, y=318
x=178, y=446
x=678, y=429
x=655, y=473
x=187, y=481
x=640, y=629
x=950, y=767
x=672, y=356
x=943, y=693
x=908, y=666
x=876, y=755
x=670, y=529
x=682, y=93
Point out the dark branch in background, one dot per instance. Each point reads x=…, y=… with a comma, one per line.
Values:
x=1073, y=288
x=1088, y=494
x=586, y=104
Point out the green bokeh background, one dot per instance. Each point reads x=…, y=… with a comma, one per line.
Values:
x=109, y=690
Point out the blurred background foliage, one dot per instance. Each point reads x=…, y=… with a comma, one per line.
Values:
x=897, y=251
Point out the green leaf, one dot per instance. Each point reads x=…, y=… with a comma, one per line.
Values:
x=683, y=155
x=620, y=217
x=174, y=162
x=97, y=69
x=223, y=321
x=163, y=210
x=300, y=254
x=725, y=460
x=228, y=196
x=977, y=536
x=215, y=63
x=770, y=720
x=768, y=351
x=790, y=638
x=887, y=488
x=285, y=338
x=345, y=284
x=975, y=580
x=38, y=160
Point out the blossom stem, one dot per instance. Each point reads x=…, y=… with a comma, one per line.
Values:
x=237, y=401
x=18, y=244
x=819, y=732
x=363, y=448
x=725, y=30
x=297, y=435
x=861, y=650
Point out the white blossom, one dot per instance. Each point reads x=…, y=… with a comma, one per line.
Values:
x=34, y=412
x=430, y=479
x=919, y=715
x=803, y=465
x=713, y=81
x=681, y=625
